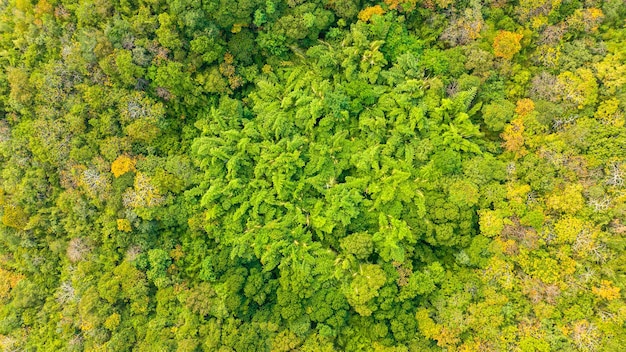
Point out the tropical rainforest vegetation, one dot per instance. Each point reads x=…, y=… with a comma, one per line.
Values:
x=312, y=175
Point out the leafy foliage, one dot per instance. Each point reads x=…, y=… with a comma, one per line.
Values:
x=312, y=175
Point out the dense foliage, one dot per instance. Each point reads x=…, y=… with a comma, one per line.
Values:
x=325, y=175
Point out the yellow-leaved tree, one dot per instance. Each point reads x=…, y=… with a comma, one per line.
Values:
x=513, y=136
x=122, y=165
x=609, y=113
x=524, y=107
x=579, y=88
x=607, y=290
x=506, y=44
x=366, y=14
x=14, y=216
x=124, y=225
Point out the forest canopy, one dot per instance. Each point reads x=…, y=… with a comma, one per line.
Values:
x=324, y=175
